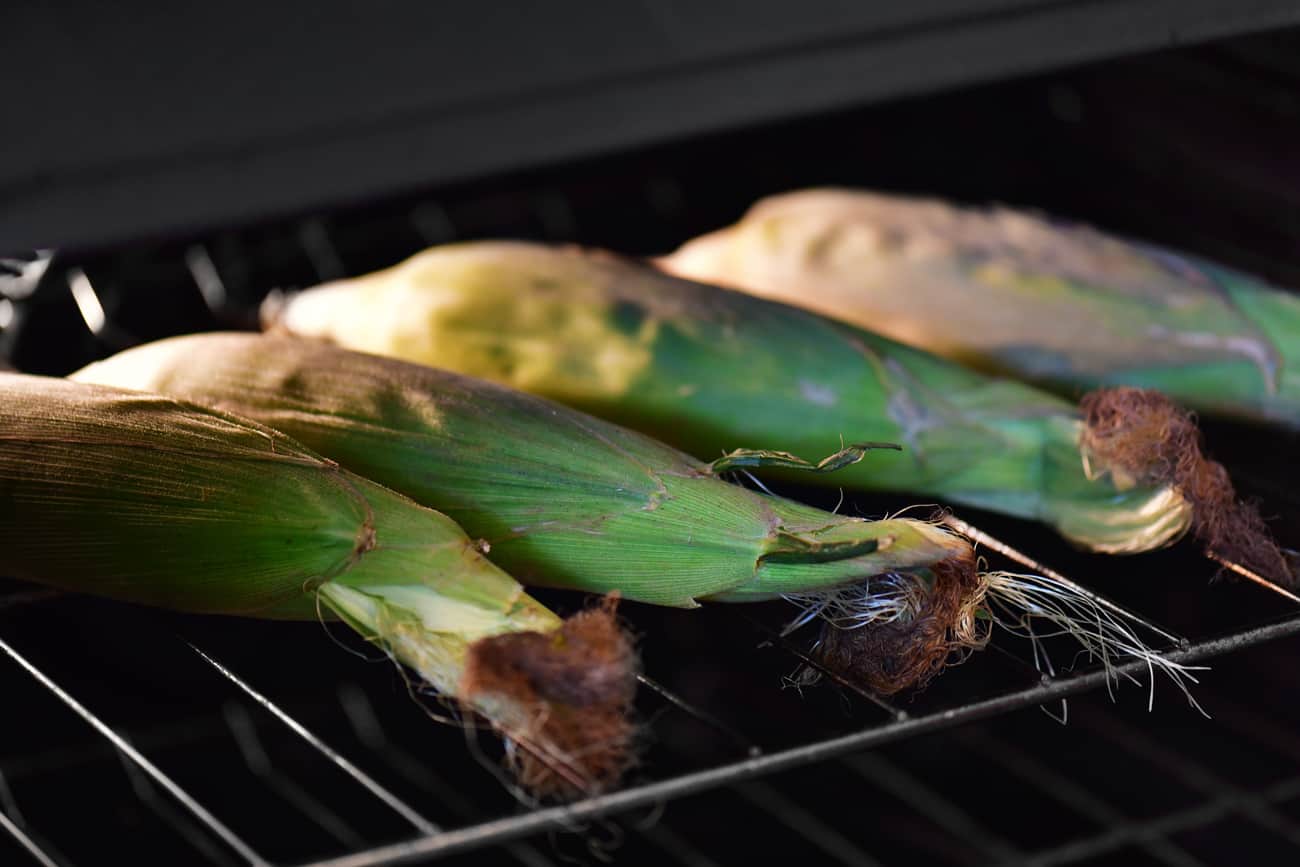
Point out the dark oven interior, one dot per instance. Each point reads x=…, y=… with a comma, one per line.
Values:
x=1192, y=146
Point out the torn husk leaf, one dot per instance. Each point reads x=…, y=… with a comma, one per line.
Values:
x=150, y=500
x=708, y=369
x=568, y=500
x=1090, y=309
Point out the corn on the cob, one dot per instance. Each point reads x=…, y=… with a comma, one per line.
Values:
x=706, y=368
x=1017, y=294
x=142, y=498
x=569, y=500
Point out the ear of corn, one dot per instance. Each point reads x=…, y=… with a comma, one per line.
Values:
x=562, y=498
x=1089, y=309
x=708, y=369
x=568, y=500
x=146, y=499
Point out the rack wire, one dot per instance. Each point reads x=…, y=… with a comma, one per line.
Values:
x=243, y=743
x=255, y=728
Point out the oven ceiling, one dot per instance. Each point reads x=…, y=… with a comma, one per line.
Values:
x=135, y=119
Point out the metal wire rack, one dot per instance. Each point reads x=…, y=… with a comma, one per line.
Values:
x=142, y=737
x=352, y=788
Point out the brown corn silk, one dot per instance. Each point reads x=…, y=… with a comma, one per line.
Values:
x=574, y=681
x=910, y=652
x=147, y=499
x=1146, y=436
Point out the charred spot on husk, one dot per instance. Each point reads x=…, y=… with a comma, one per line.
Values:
x=1147, y=436
x=894, y=656
x=577, y=685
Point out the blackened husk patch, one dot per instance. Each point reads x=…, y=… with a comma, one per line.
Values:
x=1150, y=438
x=907, y=653
x=576, y=685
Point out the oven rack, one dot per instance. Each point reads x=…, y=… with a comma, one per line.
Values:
x=254, y=720
x=252, y=713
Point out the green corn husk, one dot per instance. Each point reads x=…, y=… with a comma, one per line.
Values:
x=1016, y=294
x=707, y=369
x=568, y=500
x=145, y=499
x=560, y=498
